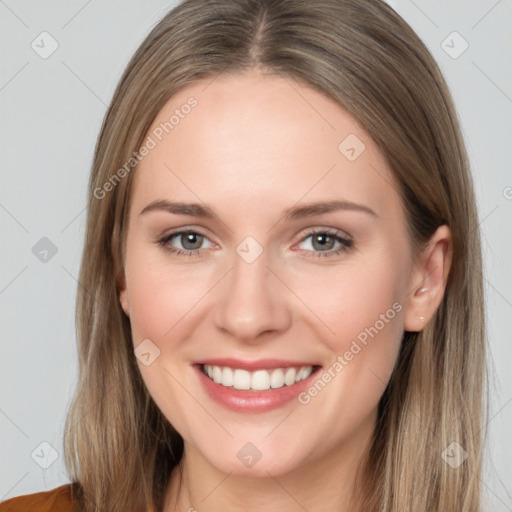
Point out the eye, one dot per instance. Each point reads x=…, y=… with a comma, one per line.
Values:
x=324, y=240
x=190, y=241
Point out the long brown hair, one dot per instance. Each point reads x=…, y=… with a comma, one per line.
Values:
x=119, y=448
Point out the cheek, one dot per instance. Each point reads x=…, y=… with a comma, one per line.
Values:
x=161, y=295
x=362, y=308
x=162, y=299
x=363, y=300
x=155, y=306
x=364, y=312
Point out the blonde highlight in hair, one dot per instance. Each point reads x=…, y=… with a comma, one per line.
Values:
x=119, y=448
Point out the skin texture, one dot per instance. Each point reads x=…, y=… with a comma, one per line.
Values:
x=254, y=146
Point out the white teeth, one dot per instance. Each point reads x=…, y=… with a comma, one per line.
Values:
x=227, y=376
x=289, y=376
x=241, y=379
x=217, y=374
x=304, y=373
x=259, y=380
x=277, y=378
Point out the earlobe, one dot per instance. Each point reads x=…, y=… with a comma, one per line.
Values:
x=429, y=279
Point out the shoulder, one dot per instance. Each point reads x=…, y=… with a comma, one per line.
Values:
x=59, y=499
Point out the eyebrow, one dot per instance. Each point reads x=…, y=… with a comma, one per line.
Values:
x=293, y=213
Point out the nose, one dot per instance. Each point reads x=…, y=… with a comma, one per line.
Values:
x=252, y=301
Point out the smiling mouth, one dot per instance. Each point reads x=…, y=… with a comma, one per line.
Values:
x=259, y=380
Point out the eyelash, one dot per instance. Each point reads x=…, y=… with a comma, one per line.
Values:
x=346, y=243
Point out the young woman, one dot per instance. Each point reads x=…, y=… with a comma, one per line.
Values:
x=281, y=296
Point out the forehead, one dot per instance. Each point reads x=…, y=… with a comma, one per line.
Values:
x=255, y=140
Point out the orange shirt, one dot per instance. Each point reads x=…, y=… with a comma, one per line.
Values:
x=56, y=500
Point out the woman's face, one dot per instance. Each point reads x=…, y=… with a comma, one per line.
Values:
x=268, y=289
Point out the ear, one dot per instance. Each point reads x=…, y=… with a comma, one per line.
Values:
x=123, y=294
x=428, y=280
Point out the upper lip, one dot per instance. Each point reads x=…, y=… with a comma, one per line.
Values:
x=259, y=364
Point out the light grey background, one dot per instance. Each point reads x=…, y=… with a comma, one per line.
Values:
x=51, y=113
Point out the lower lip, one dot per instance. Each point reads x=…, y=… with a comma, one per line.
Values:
x=252, y=401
